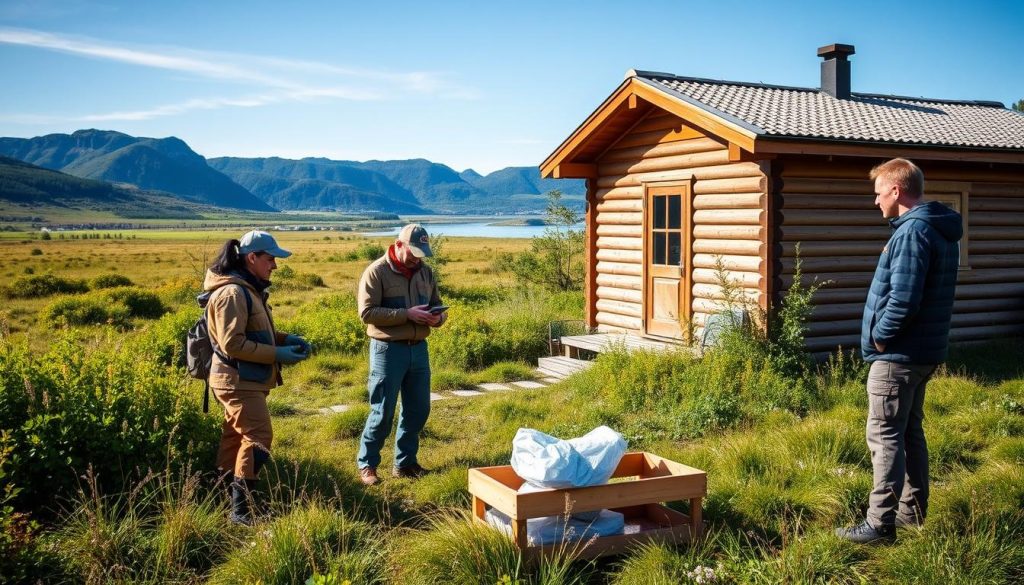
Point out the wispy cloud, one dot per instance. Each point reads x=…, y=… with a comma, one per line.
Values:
x=280, y=80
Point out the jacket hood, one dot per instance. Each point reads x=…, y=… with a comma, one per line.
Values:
x=213, y=281
x=945, y=221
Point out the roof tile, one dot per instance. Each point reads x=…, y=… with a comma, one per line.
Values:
x=810, y=113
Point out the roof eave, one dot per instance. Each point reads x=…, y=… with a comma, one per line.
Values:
x=780, y=144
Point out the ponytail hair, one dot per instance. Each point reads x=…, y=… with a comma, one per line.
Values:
x=228, y=259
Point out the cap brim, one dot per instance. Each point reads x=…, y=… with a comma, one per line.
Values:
x=421, y=250
x=278, y=252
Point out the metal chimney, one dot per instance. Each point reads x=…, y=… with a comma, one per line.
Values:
x=835, y=70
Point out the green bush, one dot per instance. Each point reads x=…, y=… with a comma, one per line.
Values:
x=70, y=311
x=288, y=279
x=110, y=281
x=330, y=322
x=75, y=406
x=368, y=251
x=140, y=303
x=163, y=341
x=42, y=285
x=113, y=306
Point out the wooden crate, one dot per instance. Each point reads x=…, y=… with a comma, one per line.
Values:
x=648, y=481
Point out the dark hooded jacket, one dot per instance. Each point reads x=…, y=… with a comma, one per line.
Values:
x=910, y=303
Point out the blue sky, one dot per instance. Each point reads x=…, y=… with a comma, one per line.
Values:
x=480, y=85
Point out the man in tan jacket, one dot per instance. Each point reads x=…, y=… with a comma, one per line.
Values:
x=399, y=303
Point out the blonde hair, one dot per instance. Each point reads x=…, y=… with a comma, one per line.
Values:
x=902, y=173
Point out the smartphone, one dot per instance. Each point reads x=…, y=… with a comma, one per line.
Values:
x=437, y=310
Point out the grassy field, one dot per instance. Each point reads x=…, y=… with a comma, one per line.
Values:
x=103, y=446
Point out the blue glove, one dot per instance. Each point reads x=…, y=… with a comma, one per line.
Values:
x=289, y=354
x=298, y=340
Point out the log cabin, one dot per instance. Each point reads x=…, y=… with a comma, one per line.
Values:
x=685, y=175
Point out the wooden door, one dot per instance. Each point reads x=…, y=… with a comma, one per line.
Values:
x=668, y=229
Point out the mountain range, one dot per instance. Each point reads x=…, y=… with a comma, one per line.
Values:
x=169, y=166
x=32, y=187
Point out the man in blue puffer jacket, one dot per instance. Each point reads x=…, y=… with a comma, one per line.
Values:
x=905, y=336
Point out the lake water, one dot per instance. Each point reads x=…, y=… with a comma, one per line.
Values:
x=475, y=230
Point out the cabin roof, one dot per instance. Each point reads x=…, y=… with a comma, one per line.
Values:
x=776, y=111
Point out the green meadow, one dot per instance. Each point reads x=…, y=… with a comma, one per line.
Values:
x=106, y=456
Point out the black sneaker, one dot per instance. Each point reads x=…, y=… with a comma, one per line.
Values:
x=864, y=533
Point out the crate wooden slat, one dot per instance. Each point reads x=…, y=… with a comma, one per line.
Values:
x=647, y=480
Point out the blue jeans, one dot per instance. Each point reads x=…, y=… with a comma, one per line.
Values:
x=396, y=368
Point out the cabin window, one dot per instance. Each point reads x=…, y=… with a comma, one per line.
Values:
x=957, y=201
x=667, y=230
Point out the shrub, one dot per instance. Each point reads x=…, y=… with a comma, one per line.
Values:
x=163, y=341
x=288, y=279
x=43, y=285
x=140, y=303
x=113, y=306
x=555, y=260
x=75, y=406
x=368, y=251
x=330, y=322
x=110, y=281
x=36, y=252
x=70, y=311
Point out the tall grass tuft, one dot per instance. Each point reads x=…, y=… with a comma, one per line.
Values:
x=314, y=538
x=457, y=549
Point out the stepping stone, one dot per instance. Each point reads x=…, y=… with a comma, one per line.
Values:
x=550, y=380
x=325, y=411
x=466, y=393
x=435, y=396
x=340, y=407
x=492, y=386
x=528, y=384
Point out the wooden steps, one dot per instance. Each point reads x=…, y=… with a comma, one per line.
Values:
x=561, y=367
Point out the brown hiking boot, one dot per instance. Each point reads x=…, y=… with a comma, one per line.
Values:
x=368, y=475
x=413, y=471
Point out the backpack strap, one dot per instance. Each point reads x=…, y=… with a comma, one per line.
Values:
x=224, y=357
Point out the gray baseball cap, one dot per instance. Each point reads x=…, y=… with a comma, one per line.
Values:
x=416, y=237
x=260, y=241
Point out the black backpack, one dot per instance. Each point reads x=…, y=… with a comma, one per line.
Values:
x=199, y=346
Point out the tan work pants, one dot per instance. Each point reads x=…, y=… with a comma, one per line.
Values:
x=246, y=432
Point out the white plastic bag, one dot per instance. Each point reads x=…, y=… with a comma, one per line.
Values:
x=544, y=461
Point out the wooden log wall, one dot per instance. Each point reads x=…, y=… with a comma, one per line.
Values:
x=828, y=209
x=728, y=218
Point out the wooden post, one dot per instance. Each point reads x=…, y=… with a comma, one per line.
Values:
x=519, y=533
x=590, y=275
x=696, y=518
x=479, y=508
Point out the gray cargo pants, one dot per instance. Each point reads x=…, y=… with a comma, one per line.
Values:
x=895, y=435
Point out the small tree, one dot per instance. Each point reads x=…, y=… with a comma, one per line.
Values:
x=1018, y=107
x=555, y=259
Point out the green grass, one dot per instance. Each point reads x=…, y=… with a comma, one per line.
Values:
x=785, y=456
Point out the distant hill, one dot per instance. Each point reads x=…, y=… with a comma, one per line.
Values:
x=417, y=182
x=164, y=164
x=416, y=186
x=33, y=187
x=317, y=184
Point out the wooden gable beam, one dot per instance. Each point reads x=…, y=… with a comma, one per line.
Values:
x=742, y=137
x=619, y=97
x=574, y=171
